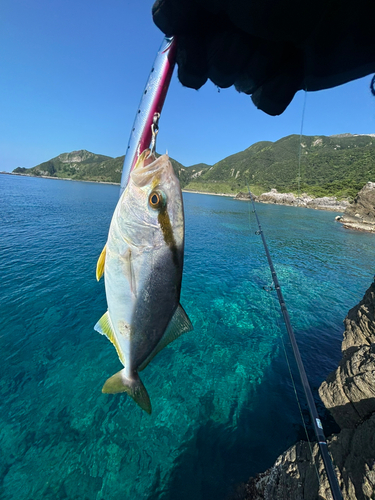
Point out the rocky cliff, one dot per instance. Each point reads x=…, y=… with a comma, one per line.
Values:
x=349, y=394
x=361, y=213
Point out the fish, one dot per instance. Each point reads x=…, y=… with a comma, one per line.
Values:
x=142, y=263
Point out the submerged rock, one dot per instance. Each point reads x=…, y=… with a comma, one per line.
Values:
x=349, y=394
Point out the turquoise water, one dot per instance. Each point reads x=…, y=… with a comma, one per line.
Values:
x=223, y=403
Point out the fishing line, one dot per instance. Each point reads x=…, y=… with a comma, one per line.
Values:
x=316, y=423
x=272, y=308
x=276, y=316
x=300, y=145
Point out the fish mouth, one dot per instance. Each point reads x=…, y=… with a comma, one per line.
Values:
x=149, y=169
x=144, y=159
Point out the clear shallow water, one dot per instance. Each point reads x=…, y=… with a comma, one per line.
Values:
x=223, y=404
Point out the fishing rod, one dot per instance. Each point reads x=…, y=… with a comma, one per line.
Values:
x=317, y=424
x=145, y=126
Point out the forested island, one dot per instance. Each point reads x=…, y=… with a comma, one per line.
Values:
x=318, y=166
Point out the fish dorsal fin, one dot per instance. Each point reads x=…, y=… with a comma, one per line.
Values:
x=100, y=263
x=104, y=327
x=179, y=324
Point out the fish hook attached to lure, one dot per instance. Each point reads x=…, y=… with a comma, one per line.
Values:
x=154, y=131
x=145, y=127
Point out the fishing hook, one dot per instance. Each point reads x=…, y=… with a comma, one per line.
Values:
x=155, y=131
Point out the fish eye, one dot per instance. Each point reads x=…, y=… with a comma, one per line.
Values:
x=155, y=199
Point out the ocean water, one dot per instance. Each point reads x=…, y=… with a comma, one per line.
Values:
x=223, y=401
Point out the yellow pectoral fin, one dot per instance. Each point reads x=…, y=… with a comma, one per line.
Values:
x=100, y=263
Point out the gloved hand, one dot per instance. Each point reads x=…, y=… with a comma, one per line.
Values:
x=270, y=48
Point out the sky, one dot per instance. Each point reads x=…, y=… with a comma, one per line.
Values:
x=72, y=74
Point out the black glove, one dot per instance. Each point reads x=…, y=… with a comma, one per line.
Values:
x=270, y=48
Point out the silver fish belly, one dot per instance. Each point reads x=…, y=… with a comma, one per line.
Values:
x=142, y=264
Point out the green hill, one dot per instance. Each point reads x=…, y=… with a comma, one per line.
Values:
x=79, y=165
x=336, y=165
x=83, y=165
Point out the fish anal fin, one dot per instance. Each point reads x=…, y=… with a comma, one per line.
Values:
x=179, y=324
x=104, y=327
x=134, y=387
x=100, y=263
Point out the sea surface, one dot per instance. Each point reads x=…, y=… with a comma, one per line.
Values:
x=223, y=401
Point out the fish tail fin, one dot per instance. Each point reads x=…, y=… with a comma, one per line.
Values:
x=134, y=387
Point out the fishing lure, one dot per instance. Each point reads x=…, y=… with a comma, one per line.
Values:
x=148, y=113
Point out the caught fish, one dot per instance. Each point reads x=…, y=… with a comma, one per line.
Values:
x=142, y=263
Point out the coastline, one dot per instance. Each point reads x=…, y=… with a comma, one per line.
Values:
x=273, y=197
x=60, y=178
x=366, y=227
x=326, y=208
x=205, y=192
x=258, y=199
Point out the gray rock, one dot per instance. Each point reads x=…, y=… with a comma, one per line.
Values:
x=245, y=196
x=325, y=203
x=363, y=204
x=278, y=198
x=360, y=214
x=294, y=476
x=328, y=203
x=349, y=392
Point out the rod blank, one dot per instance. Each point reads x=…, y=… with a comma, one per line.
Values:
x=317, y=425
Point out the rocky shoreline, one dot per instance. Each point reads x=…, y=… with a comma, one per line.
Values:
x=349, y=394
x=360, y=214
x=330, y=203
x=206, y=192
